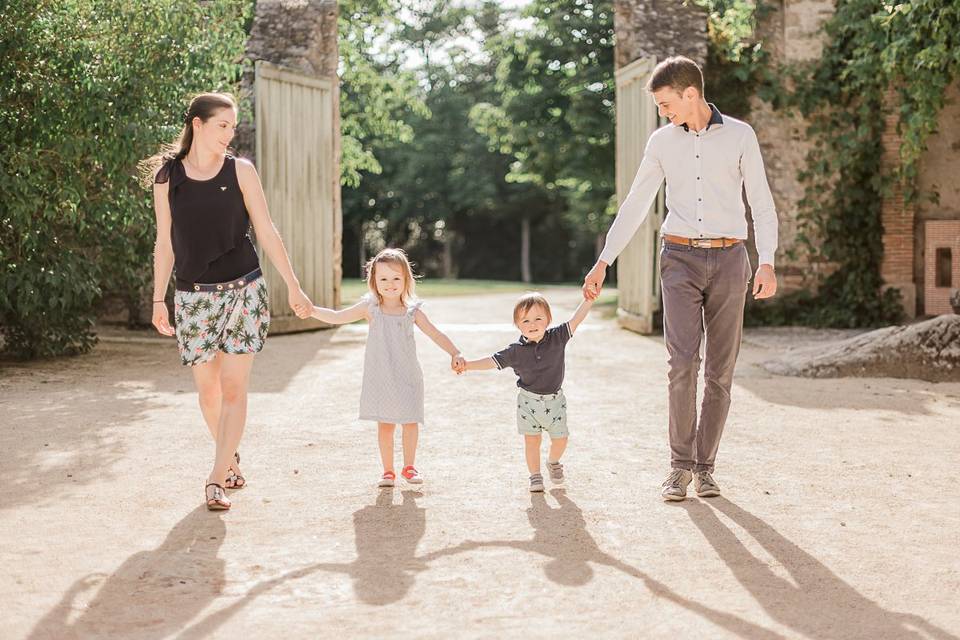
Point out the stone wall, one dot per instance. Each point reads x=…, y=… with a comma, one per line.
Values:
x=790, y=33
x=300, y=34
x=938, y=174
x=659, y=28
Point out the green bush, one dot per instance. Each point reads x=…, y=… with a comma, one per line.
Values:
x=87, y=88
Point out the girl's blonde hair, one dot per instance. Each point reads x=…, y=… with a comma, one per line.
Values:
x=396, y=258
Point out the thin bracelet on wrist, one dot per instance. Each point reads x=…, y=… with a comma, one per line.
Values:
x=156, y=301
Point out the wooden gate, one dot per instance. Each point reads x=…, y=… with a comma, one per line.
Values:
x=297, y=125
x=638, y=273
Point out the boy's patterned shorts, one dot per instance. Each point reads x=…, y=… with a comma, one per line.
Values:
x=230, y=321
x=538, y=413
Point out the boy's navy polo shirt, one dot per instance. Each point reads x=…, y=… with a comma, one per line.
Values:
x=538, y=365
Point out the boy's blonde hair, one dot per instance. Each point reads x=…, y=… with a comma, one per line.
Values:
x=396, y=258
x=529, y=301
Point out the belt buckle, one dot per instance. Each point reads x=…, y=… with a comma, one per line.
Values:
x=702, y=243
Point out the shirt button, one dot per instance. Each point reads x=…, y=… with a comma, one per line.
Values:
x=698, y=177
x=698, y=156
x=699, y=199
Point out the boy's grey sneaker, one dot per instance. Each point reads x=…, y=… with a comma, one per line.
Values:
x=556, y=472
x=704, y=485
x=675, y=486
x=536, y=483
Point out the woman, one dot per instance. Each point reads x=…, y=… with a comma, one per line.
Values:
x=205, y=200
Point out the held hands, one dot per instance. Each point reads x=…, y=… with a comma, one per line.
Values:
x=593, y=283
x=161, y=319
x=458, y=363
x=299, y=302
x=764, y=282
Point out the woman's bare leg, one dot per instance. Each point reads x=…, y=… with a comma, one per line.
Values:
x=206, y=376
x=234, y=380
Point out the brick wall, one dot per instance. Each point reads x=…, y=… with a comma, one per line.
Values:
x=790, y=32
x=897, y=217
x=938, y=174
x=940, y=234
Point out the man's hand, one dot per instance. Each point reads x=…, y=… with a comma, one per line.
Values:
x=764, y=282
x=593, y=283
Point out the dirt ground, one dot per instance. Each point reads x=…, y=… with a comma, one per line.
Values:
x=840, y=516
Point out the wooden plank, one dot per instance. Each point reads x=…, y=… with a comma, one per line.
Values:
x=271, y=71
x=637, y=68
x=638, y=263
x=296, y=147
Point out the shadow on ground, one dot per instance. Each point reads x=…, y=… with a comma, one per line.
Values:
x=815, y=603
x=153, y=594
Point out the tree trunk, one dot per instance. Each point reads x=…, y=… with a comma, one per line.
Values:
x=448, y=254
x=525, y=274
x=363, y=248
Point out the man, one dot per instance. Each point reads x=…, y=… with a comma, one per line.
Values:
x=707, y=159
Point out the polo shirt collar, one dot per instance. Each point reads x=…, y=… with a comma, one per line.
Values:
x=715, y=117
x=525, y=340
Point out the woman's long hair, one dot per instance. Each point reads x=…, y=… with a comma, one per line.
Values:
x=203, y=106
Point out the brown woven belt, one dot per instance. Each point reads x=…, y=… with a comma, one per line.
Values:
x=701, y=243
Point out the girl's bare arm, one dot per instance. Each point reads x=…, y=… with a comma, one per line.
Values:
x=438, y=337
x=343, y=316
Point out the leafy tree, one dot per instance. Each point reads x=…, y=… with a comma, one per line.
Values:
x=555, y=111
x=87, y=88
x=452, y=194
x=376, y=96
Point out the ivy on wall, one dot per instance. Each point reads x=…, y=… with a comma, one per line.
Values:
x=869, y=47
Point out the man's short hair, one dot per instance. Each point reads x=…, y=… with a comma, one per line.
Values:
x=678, y=73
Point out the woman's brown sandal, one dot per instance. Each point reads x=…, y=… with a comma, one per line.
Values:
x=217, y=498
x=235, y=480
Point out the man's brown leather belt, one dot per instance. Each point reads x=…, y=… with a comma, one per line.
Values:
x=701, y=243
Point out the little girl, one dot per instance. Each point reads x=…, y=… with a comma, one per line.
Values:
x=392, y=391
